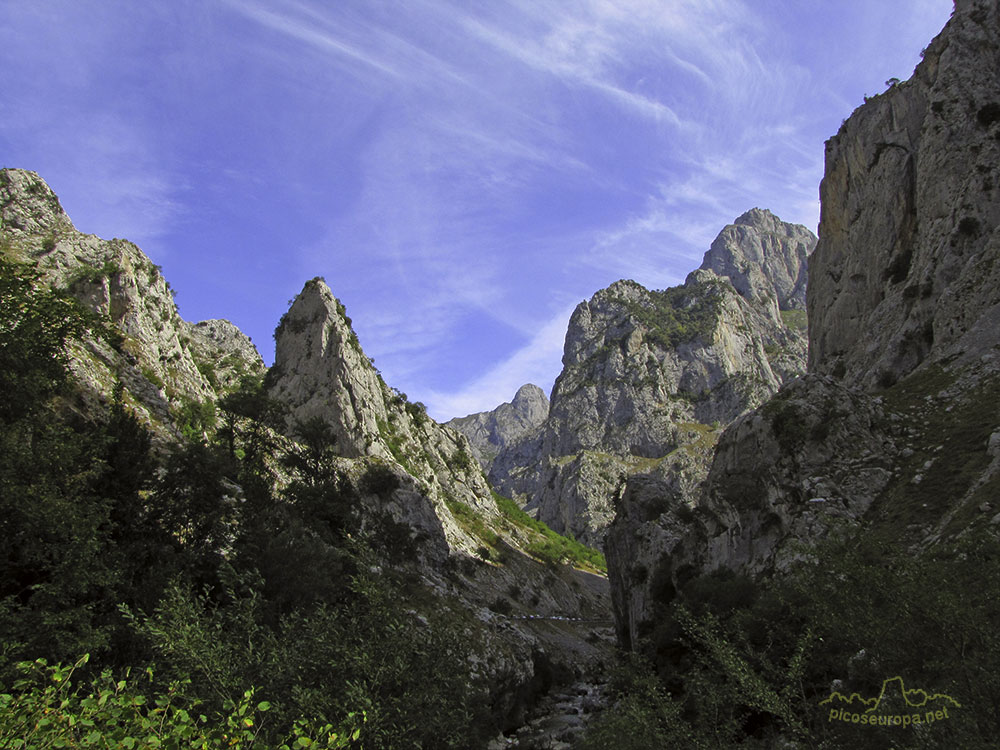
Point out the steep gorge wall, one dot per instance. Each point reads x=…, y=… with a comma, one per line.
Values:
x=897, y=423
x=647, y=373
x=904, y=273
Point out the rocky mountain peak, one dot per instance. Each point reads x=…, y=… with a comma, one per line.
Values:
x=530, y=400
x=323, y=372
x=761, y=218
x=28, y=205
x=891, y=432
x=647, y=372
x=492, y=431
x=163, y=362
x=763, y=256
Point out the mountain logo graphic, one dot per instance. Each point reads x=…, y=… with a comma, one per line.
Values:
x=893, y=706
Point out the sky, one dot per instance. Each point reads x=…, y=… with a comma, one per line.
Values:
x=462, y=174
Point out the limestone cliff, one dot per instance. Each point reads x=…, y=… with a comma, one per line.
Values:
x=762, y=255
x=896, y=425
x=904, y=273
x=644, y=372
x=416, y=492
x=161, y=360
x=320, y=370
x=491, y=431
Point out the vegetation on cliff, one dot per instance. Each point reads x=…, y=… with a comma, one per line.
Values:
x=248, y=599
x=735, y=662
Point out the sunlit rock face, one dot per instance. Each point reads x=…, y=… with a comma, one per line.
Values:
x=894, y=425
x=905, y=272
x=320, y=371
x=161, y=360
x=489, y=432
x=641, y=368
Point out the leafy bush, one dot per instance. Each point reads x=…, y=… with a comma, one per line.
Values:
x=677, y=315
x=748, y=664
x=44, y=710
x=795, y=319
x=472, y=522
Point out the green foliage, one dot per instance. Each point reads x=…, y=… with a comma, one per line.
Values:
x=642, y=714
x=677, y=315
x=472, y=522
x=150, y=374
x=72, y=523
x=379, y=479
x=92, y=275
x=365, y=656
x=35, y=324
x=195, y=556
x=461, y=461
x=795, y=319
x=192, y=505
x=749, y=663
x=548, y=546
x=788, y=422
x=45, y=710
x=207, y=370
x=310, y=457
x=249, y=418
x=417, y=412
x=196, y=419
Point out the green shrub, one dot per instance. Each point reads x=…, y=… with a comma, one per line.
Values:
x=677, y=315
x=548, y=546
x=45, y=710
x=750, y=662
x=795, y=319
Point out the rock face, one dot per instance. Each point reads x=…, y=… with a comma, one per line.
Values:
x=892, y=427
x=814, y=454
x=321, y=371
x=161, y=360
x=489, y=432
x=762, y=255
x=904, y=271
x=224, y=353
x=414, y=482
x=642, y=368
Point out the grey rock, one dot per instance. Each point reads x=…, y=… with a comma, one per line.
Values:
x=156, y=359
x=764, y=256
x=223, y=353
x=903, y=289
x=815, y=440
x=426, y=476
x=641, y=366
x=906, y=269
x=320, y=370
x=492, y=431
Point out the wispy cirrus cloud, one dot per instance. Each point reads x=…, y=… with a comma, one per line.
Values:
x=462, y=173
x=536, y=361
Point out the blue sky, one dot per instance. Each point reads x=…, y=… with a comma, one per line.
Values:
x=461, y=173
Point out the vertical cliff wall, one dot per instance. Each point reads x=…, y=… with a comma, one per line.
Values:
x=896, y=426
x=904, y=272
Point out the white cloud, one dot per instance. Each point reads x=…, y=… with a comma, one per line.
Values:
x=311, y=33
x=538, y=362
